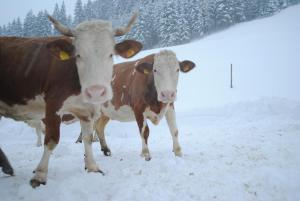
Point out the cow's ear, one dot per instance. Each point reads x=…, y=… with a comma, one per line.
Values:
x=61, y=49
x=145, y=68
x=186, y=66
x=128, y=48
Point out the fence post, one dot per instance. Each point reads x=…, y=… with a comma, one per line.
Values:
x=231, y=85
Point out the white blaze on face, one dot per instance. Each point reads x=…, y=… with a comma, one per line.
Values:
x=166, y=72
x=94, y=43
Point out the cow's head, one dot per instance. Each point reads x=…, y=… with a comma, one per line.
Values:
x=165, y=69
x=93, y=48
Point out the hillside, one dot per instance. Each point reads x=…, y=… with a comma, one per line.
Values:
x=238, y=144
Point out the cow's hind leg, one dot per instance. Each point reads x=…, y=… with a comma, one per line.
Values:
x=87, y=136
x=4, y=163
x=38, y=131
x=171, y=120
x=100, y=127
x=79, y=139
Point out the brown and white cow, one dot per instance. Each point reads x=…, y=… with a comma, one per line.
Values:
x=144, y=89
x=48, y=78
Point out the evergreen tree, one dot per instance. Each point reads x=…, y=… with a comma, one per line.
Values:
x=170, y=25
x=44, y=24
x=78, y=13
x=162, y=23
x=29, y=24
x=63, y=14
x=4, y=31
x=89, y=13
x=56, y=15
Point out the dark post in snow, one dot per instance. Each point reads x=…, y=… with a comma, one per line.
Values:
x=231, y=86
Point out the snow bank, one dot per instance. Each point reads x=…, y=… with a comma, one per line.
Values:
x=238, y=144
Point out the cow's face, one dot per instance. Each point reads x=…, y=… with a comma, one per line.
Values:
x=95, y=46
x=165, y=70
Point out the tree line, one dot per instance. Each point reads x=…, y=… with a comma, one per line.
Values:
x=160, y=23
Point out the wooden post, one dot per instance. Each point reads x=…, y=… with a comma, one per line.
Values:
x=231, y=85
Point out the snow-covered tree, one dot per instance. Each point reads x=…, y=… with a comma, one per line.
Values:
x=160, y=23
x=78, y=13
x=44, y=24
x=29, y=27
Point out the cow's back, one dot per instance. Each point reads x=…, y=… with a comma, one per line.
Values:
x=28, y=69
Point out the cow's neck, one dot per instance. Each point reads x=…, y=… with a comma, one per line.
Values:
x=151, y=96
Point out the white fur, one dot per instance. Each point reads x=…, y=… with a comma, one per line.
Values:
x=34, y=109
x=75, y=104
x=145, y=150
x=155, y=118
x=123, y=114
x=87, y=136
x=166, y=66
x=39, y=129
x=94, y=42
x=171, y=120
x=42, y=169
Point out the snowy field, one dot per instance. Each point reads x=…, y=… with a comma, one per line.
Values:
x=239, y=144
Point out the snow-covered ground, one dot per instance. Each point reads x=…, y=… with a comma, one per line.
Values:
x=239, y=144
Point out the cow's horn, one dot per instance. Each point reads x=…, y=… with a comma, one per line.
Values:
x=123, y=30
x=60, y=27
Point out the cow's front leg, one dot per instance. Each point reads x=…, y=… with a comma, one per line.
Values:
x=52, y=122
x=87, y=136
x=100, y=127
x=171, y=120
x=144, y=133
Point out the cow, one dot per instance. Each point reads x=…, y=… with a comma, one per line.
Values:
x=45, y=79
x=144, y=89
x=4, y=163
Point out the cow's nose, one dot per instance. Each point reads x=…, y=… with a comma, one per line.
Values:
x=168, y=95
x=96, y=93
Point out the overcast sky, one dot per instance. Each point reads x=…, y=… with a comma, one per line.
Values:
x=10, y=9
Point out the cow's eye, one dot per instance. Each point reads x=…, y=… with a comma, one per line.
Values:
x=177, y=70
x=111, y=55
x=78, y=56
x=154, y=70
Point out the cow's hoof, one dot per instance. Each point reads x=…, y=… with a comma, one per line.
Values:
x=96, y=171
x=36, y=183
x=8, y=170
x=106, y=151
x=78, y=141
x=177, y=152
x=145, y=153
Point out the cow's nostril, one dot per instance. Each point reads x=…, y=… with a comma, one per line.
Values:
x=103, y=92
x=96, y=91
x=162, y=94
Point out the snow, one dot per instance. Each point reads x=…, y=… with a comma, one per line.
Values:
x=238, y=144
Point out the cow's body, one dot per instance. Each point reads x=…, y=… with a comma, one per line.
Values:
x=135, y=97
x=45, y=79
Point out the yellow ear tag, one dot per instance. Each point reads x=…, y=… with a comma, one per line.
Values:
x=146, y=71
x=130, y=53
x=64, y=56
